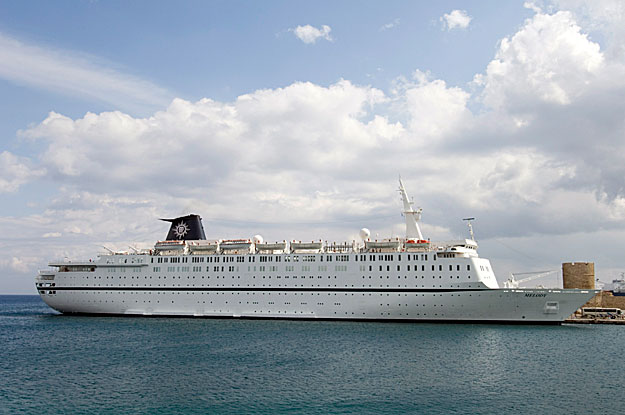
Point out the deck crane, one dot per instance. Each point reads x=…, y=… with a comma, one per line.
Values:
x=512, y=282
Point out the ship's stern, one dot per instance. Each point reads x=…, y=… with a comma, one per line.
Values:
x=46, y=287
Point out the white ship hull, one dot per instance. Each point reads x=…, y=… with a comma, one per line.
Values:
x=385, y=280
x=413, y=291
x=499, y=305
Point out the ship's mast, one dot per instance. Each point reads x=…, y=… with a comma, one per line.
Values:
x=470, y=227
x=412, y=217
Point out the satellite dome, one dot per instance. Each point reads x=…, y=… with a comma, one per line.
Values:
x=364, y=234
x=257, y=239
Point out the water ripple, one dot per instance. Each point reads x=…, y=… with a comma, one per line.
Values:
x=57, y=364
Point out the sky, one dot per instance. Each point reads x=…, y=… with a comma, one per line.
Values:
x=294, y=120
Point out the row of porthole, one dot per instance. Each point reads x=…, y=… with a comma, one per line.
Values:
x=280, y=286
x=254, y=277
x=253, y=293
x=286, y=277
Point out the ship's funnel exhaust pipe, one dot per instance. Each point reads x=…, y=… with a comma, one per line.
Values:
x=186, y=228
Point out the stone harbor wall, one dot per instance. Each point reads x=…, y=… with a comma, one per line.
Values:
x=606, y=299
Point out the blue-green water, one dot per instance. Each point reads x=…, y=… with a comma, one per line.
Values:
x=51, y=363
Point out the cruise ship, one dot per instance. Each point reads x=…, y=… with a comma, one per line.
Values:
x=396, y=279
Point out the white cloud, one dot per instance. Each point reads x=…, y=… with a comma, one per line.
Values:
x=456, y=19
x=310, y=34
x=390, y=25
x=434, y=109
x=76, y=74
x=532, y=6
x=548, y=60
x=606, y=17
x=16, y=171
x=206, y=137
x=553, y=88
x=296, y=154
x=19, y=264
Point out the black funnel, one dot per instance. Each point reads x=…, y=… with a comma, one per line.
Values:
x=186, y=228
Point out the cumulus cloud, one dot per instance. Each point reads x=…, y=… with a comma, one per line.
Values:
x=310, y=34
x=456, y=19
x=434, y=108
x=606, y=17
x=548, y=60
x=77, y=74
x=307, y=153
x=205, y=138
x=553, y=88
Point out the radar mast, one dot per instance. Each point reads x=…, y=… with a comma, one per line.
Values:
x=470, y=227
x=412, y=217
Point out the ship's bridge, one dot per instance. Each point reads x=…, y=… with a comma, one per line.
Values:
x=457, y=248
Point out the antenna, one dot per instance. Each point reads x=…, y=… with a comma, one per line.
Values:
x=470, y=227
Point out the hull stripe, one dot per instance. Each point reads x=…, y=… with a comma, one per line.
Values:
x=274, y=289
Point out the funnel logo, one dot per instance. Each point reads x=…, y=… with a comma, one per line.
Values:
x=181, y=229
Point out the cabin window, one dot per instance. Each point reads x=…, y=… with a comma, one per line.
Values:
x=451, y=267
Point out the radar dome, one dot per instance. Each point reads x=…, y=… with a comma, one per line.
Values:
x=364, y=234
x=257, y=239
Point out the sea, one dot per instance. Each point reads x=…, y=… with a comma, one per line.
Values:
x=56, y=364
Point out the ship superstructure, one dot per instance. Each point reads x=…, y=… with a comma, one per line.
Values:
x=408, y=279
